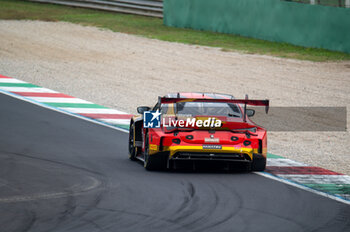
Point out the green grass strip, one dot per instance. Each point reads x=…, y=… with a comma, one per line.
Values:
x=75, y=105
x=331, y=188
x=18, y=85
x=154, y=28
x=272, y=156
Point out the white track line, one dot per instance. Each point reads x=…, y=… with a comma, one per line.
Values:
x=92, y=110
x=59, y=100
x=284, y=163
x=318, y=179
x=28, y=90
x=11, y=80
x=116, y=121
x=297, y=185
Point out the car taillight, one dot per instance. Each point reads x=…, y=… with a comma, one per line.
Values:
x=247, y=143
x=190, y=137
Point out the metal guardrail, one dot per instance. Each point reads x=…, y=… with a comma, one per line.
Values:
x=152, y=8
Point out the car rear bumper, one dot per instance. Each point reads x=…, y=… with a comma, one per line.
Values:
x=189, y=155
x=225, y=152
x=210, y=156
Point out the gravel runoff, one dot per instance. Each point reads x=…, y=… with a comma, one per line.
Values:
x=123, y=71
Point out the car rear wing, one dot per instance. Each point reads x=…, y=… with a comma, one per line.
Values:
x=246, y=101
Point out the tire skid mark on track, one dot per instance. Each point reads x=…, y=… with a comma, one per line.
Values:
x=83, y=211
x=213, y=209
x=143, y=215
x=193, y=204
x=51, y=195
x=199, y=220
x=93, y=183
x=190, y=204
x=278, y=169
x=243, y=206
x=232, y=213
x=70, y=207
x=31, y=222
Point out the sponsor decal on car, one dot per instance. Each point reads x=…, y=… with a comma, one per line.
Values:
x=212, y=140
x=152, y=119
x=210, y=146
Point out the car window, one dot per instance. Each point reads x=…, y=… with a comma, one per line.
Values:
x=203, y=108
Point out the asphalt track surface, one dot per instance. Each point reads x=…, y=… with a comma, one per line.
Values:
x=61, y=173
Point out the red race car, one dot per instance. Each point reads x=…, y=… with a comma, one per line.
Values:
x=187, y=129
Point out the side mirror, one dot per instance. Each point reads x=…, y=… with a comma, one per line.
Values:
x=250, y=112
x=142, y=109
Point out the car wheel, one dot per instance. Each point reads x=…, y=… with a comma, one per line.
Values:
x=259, y=163
x=151, y=162
x=132, y=148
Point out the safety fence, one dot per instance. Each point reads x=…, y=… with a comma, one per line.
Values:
x=274, y=20
x=153, y=8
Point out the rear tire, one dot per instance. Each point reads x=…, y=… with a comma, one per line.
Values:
x=132, y=148
x=152, y=162
x=259, y=163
